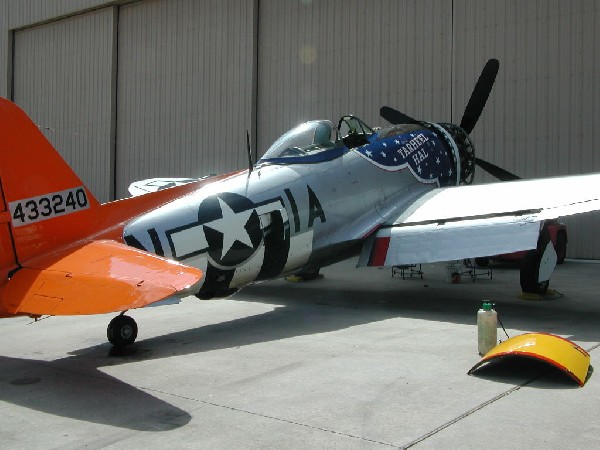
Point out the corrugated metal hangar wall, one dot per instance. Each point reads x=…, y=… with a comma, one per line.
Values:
x=132, y=90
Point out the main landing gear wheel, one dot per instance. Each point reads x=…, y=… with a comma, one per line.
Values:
x=121, y=331
x=538, y=264
x=529, y=274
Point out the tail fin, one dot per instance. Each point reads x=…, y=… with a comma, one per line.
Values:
x=37, y=185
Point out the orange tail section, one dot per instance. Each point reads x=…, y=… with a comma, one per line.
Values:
x=37, y=185
x=61, y=252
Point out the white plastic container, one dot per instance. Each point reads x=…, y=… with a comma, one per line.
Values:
x=487, y=328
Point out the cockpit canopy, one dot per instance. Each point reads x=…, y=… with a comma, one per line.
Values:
x=318, y=141
x=306, y=139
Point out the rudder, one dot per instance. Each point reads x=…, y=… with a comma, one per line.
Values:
x=45, y=202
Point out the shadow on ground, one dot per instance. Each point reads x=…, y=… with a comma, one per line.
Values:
x=337, y=302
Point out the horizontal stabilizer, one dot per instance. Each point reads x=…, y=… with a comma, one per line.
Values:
x=96, y=278
x=157, y=184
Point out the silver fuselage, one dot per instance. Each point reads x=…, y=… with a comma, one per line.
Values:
x=278, y=219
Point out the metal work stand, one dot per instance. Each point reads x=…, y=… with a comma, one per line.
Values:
x=474, y=271
x=410, y=270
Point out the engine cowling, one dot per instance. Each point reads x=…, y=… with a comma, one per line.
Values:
x=466, y=150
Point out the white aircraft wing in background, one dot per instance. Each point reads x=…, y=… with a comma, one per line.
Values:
x=481, y=220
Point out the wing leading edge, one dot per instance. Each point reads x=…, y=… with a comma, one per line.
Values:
x=482, y=220
x=95, y=278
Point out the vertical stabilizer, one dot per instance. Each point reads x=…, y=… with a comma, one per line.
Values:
x=45, y=202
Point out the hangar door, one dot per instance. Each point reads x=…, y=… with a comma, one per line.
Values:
x=62, y=79
x=543, y=117
x=184, y=88
x=321, y=60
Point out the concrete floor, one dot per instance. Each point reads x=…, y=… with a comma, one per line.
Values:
x=355, y=360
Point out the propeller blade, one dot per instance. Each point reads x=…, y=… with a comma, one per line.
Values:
x=480, y=94
x=394, y=116
x=495, y=171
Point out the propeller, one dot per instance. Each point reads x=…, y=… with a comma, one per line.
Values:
x=495, y=171
x=480, y=94
x=473, y=111
x=394, y=116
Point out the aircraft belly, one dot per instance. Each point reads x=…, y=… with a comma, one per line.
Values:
x=301, y=246
x=248, y=272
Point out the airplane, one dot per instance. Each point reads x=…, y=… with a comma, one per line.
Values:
x=321, y=193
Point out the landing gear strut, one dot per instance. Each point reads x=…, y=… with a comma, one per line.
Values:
x=122, y=331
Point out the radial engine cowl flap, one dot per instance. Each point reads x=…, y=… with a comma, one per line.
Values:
x=555, y=350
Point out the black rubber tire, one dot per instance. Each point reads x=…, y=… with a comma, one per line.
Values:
x=122, y=331
x=530, y=267
x=308, y=275
x=561, y=247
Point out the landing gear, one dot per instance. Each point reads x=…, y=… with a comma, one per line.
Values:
x=308, y=275
x=122, y=331
x=561, y=247
x=529, y=274
x=305, y=275
x=538, y=265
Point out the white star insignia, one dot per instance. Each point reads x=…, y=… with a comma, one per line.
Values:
x=232, y=226
x=437, y=160
x=383, y=154
x=419, y=170
x=368, y=153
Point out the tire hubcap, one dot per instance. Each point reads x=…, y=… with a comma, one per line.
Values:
x=126, y=332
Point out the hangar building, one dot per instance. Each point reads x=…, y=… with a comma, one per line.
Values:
x=128, y=90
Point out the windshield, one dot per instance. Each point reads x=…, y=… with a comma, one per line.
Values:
x=306, y=139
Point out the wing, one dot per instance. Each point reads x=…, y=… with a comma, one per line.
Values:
x=97, y=277
x=471, y=221
x=157, y=184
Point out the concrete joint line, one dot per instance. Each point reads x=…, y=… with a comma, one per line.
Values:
x=483, y=405
x=472, y=411
x=279, y=419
